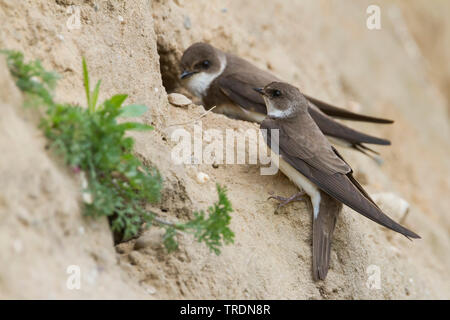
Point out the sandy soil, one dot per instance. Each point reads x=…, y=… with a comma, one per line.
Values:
x=321, y=46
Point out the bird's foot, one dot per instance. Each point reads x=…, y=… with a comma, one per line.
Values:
x=284, y=201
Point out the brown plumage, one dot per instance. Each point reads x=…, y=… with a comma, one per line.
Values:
x=231, y=90
x=323, y=228
x=328, y=172
x=306, y=153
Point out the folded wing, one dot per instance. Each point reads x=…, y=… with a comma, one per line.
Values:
x=338, y=183
x=344, y=114
x=238, y=87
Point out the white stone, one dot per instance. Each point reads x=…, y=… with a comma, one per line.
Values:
x=202, y=177
x=178, y=100
x=151, y=290
x=392, y=204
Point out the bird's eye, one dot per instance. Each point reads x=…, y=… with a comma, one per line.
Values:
x=205, y=64
x=276, y=93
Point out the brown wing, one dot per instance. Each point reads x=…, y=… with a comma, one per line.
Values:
x=344, y=114
x=302, y=138
x=335, y=129
x=341, y=186
x=238, y=87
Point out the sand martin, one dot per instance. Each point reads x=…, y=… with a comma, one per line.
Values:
x=226, y=81
x=308, y=159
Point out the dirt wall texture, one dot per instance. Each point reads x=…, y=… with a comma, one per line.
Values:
x=324, y=48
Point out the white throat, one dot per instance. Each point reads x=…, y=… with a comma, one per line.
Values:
x=199, y=83
x=275, y=113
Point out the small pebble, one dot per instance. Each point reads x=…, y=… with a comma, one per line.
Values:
x=394, y=249
x=120, y=18
x=151, y=290
x=81, y=230
x=187, y=22
x=202, y=177
x=84, y=182
x=92, y=276
x=60, y=37
x=135, y=257
x=393, y=205
x=17, y=246
x=153, y=238
x=87, y=197
x=178, y=100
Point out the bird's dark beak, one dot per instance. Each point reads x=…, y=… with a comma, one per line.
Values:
x=186, y=74
x=259, y=90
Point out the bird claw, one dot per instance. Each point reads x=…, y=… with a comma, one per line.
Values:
x=284, y=201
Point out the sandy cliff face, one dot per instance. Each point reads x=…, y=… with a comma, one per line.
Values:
x=323, y=47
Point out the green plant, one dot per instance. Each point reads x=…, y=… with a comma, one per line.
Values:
x=31, y=77
x=212, y=230
x=92, y=142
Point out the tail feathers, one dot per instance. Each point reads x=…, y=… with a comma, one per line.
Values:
x=363, y=148
x=374, y=155
x=345, y=114
x=323, y=228
x=361, y=202
x=335, y=129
